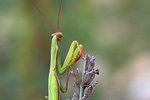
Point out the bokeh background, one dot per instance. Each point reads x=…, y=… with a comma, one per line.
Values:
x=116, y=32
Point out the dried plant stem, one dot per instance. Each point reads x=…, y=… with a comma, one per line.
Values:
x=83, y=79
x=81, y=90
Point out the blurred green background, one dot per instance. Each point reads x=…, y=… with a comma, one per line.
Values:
x=116, y=32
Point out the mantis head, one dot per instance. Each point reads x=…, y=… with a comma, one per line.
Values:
x=59, y=35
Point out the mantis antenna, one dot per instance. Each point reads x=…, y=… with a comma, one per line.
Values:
x=59, y=15
x=45, y=16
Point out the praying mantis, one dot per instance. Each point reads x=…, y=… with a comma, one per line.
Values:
x=74, y=54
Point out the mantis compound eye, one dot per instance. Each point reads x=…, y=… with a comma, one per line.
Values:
x=59, y=35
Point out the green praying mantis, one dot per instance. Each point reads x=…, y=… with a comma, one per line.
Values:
x=74, y=54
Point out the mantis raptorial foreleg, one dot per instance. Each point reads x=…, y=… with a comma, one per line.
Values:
x=71, y=58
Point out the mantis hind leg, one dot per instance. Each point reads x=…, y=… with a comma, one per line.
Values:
x=64, y=89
